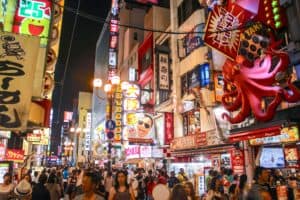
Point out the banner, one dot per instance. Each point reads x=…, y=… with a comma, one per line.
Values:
x=146, y=151
x=18, y=55
x=139, y=128
x=33, y=18
x=291, y=157
x=15, y=155
x=237, y=161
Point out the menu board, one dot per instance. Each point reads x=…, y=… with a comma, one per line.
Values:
x=291, y=157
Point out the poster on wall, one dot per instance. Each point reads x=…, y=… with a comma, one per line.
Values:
x=17, y=61
x=140, y=128
x=225, y=160
x=237, y=161
x=216, y=162
x=221, y=19
x=33, y=18
x=291, y=157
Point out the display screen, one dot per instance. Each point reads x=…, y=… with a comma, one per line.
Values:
x=4, y=168
x=272, y=157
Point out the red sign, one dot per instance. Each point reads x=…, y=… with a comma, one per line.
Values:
x=15, y=155
x=169, y=128
x=221, y=19
x=201, y=139
x=238, y=161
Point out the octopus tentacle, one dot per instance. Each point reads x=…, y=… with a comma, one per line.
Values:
x=241, y=116
x=292, y=97
x=232, y=106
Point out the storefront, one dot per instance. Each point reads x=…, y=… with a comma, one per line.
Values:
x=200, y=152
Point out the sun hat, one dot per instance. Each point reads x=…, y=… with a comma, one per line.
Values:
x=23, y=189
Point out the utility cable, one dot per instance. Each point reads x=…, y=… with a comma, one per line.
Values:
x=104, y=21
x=67, y=61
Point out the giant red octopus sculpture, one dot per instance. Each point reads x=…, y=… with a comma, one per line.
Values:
x=246, y=87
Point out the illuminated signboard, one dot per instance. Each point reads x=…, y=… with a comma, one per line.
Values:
x=5, y=134
x=118, y=114
x=33, y=18
x=132, y=91
x=290, y=134
x=34, y=137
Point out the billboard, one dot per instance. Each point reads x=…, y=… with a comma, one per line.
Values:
x=33, y=17
x=18, y=55
x=138, y=127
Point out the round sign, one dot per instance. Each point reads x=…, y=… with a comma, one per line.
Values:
x=110, y=124
x=110, y=135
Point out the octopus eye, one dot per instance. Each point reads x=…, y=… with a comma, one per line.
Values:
x=243, y=51
x=245, y=43
x=255, y=39
x=264, y=44
x=250, y=56
x=253, y=47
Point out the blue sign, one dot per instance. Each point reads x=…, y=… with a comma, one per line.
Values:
x=110, y=135
x=110, y=124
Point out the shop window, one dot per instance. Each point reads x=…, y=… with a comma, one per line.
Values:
x=186, y=9
x=191, y=122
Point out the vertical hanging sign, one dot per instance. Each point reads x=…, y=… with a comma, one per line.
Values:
x=118, y=113
x=113, y=39
x=17, y=63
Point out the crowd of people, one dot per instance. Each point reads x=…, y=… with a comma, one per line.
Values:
x=100, y=184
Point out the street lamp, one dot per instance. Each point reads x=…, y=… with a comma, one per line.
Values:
x=109, y=89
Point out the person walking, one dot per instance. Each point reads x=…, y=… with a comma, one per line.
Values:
x=178, y=193
x=23, y=191
x=182, y=176
x=173, y=180
x=40, y=192
x=190, y=191
x=121, y=190
x=214, y=192
x=53, y=187
x=6, y=188
x=108, y=184
x=90, y=181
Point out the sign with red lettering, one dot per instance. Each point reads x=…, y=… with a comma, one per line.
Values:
x=237, y=161
x=169, y=128
x=222, y=30
x=132, y=151
x=15, y=155
x=33, y=137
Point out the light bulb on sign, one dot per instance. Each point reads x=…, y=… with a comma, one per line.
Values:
x=97, y=83
x=115, y=80
x=107, y=87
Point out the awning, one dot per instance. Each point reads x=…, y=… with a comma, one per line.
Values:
x=257, y=133
x=205, y=150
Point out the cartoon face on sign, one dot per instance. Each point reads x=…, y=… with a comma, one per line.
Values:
x=35, y=27
x=144, y=126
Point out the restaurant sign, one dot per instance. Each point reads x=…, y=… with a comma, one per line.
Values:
x=287, y=134
x=33, y=137
x=189, y=142
x=15, y=155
